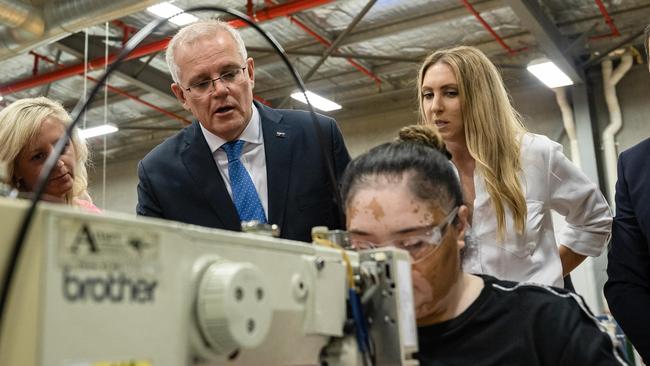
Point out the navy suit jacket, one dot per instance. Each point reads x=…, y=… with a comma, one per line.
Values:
x=180, y=181
x=628, y=288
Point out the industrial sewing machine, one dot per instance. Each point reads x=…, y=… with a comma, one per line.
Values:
x=113, y=289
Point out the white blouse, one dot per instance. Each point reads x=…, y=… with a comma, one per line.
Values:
x=551, y=182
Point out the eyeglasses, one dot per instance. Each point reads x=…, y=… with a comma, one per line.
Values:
x=414, y=244
x=205, y=87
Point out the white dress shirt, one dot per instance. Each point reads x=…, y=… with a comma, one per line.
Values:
x=253, y=156
x=550, y=182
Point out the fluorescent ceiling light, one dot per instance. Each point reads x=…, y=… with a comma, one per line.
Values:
x=167, y=9
x=548, y=73
x=97, y=131
x=183, y=19
x=317, y=101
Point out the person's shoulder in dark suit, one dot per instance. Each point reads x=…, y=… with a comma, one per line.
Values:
x=156, y=166
x=639, y=151
x=306, y=197
x=628, y=286
x=179, y=177
x=303, y=121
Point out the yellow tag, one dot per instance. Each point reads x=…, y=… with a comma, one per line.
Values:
x=123, y=363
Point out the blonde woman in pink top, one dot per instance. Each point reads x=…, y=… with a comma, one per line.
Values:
x=29, y=129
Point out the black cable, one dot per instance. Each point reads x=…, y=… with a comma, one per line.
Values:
x=82, y=106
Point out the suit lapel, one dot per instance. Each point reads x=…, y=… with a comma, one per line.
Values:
x=278, y=139
x=200, y=164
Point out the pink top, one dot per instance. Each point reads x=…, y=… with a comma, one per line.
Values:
x=87, y=206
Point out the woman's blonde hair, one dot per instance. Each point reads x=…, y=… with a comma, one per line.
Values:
x=493, y=128
x=19, y=125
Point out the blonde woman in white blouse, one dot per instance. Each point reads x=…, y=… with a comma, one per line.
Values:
x=511, y=178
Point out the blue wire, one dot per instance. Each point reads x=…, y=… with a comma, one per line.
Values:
x=361, y=328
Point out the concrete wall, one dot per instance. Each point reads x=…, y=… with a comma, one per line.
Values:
x=121, y=183
x=363, y=133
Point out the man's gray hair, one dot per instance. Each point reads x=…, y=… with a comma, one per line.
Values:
x=195, y=31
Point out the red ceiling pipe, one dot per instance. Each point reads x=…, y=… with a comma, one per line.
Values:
x=249, y=8
x=167, y=113
x=327, y=43
x=309, y=31
x=281, y=10
x=68, y=71
x=65, y=72
x=610, y=22
x=262, y=100
x=127, y=30
x=36, y=59
x=123, y=92
x=489, y=28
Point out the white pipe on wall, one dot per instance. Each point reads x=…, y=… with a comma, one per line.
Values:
x=610, y=79
x=583, y=277
x=569, y=124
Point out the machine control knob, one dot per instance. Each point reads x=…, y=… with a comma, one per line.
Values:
x=233, y=307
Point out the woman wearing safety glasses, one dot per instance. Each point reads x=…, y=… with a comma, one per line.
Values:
x=406, y=194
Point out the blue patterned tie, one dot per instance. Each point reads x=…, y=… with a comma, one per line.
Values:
x=244, y=195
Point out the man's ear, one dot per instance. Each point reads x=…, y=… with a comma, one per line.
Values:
x=461, y=225
x=250, y=70
x=180, y=95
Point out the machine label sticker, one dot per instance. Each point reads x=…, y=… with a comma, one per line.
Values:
x=105, y=246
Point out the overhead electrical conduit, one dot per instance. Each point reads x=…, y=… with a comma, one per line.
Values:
x=610, y=79
x=26, y=27
x=273, y=12
x=23, y=22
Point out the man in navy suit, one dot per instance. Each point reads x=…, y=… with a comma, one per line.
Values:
x=628, y=288
x=239, y=160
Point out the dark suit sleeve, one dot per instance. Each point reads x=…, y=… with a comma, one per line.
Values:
x=339, y=152
x=628, y=288
x=147, y=202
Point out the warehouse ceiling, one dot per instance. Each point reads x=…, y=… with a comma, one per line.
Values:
x=363, y=54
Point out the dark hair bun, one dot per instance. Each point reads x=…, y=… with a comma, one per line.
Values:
x=423, y=134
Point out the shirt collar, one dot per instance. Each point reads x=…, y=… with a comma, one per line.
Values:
x=251, y=134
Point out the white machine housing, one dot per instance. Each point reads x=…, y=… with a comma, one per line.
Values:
x=115, y=289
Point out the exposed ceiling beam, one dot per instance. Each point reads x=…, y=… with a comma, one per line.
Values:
x=328, y=84
x=422, y=20
x=637, y=9
x=135, y=146
x=99, y=101
x=153, y=119
x=340, y=39
x=335, y=80
x=403, y=25
x=135, y=72
x=336, y=55
x=548, y=36
x=377, y=109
